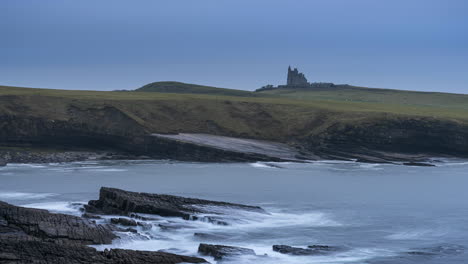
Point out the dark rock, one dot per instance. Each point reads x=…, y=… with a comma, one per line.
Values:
x=418, y=164
x=208, y=236
x=35, y=224
x=2, y=162
x=116, y=201
x=123, y=221
x=14, y=252
x=221, y=252
x=310, y=250
x=323, y=247
x=172, y=226
x=139, y=217
x=132, y=230
x=210, y=219
x=91, y=216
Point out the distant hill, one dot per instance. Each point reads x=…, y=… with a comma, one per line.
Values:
x=188, y=88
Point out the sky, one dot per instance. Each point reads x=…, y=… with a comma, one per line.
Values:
x=241, y=44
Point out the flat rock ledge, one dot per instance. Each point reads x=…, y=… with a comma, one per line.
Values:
x=119, y=202
x=309, y=251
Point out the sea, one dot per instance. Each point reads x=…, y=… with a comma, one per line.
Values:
x=372, y=213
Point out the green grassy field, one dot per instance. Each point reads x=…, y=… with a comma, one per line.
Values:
x=357, y=100
x=381, y=96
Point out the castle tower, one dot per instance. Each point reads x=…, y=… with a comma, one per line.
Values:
x=295, y=78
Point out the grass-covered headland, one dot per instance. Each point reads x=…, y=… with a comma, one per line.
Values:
x=343, y=121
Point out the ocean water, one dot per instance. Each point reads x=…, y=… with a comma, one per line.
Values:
x=376, y=213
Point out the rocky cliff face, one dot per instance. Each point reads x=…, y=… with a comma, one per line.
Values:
x=127, y=127
x=398, y=136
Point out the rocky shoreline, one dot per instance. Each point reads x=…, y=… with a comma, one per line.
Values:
x=59, y=156
x=30, y=235
x=37, y=236
x=210, y=154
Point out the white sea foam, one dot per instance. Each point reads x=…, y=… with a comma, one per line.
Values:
x=374, y=166
x=24, y=195
x=261, y=165
x=60, y=207
x=421, y=234
x=26, y=165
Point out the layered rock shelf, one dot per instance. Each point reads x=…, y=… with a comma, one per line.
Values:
x=120, y=202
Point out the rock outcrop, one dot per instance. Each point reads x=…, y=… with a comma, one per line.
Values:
x=36, y=236
x=219, y=252
x=19, y=223
x=123, y=221
x=14, y=252
x=120, y=202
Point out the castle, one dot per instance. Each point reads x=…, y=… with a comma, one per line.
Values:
x=297, y=80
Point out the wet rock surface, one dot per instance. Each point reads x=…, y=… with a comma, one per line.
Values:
x=36, y=224
x=309, y=251
x=120, y=202
x=30, y=235
x=219, y=252
x=123, y=221
x=43, y=252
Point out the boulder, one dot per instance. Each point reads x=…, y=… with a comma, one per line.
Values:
x=91, y=216
x=310, y=250
x=120, y=202
x=219, y=252
x=2, y=162
x=21, y=223
x=123, y=221
x=13, y=252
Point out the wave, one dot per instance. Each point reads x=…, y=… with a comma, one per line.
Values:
x=59, y=207
x=263, y=165
x=422, y=234
x=26, y=165
x=24, y=195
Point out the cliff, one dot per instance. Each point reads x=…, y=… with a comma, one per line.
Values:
x=125, y=122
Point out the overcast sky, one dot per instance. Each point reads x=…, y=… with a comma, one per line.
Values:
x=243, y=44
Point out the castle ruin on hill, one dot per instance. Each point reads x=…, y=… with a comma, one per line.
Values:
x=296, y=79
